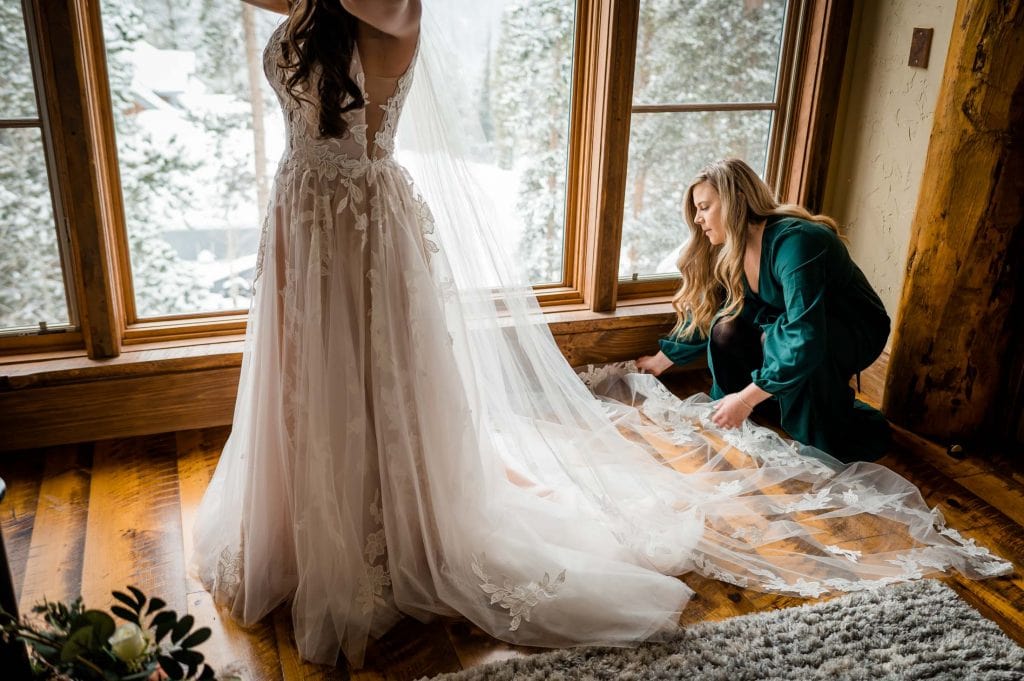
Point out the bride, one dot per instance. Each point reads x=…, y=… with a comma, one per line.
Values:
x=408, y=439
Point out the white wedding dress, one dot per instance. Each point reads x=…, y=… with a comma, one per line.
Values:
x=408, y=440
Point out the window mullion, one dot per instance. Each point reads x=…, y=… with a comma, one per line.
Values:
x=614, y=63
x=56, y=195
x=70, y=49
x=805, y=156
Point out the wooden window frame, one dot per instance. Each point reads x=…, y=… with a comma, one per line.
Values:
x=806, y=29
x=64, y=336
x=72, y=59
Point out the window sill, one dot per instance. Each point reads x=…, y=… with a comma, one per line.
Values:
x=186, y=355
x=61, y=398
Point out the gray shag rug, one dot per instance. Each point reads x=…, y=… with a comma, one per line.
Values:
x=919, y=630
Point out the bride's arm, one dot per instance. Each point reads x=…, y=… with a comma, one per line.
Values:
x=397, y=18
x=280, y=6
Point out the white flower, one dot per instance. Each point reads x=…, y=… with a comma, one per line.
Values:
x=129, y=643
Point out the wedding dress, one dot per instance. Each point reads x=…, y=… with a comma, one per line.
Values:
x=408, y=439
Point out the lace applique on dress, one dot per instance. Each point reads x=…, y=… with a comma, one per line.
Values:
x=384, y=139
x=228, y=577
x=518, y=599
x=427, y=226
x=377, y=579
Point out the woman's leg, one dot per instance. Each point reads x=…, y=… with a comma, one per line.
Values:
x=735, y=353
x=823, y=412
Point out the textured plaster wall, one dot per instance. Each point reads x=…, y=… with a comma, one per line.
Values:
x=882, y=132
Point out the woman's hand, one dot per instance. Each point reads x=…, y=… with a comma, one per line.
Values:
x=731, y=411
x=654, y=365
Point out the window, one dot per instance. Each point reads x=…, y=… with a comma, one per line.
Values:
x=594, y=115
x=198, y=132
x=33, y=295
x=706, y=86
x=520, y=76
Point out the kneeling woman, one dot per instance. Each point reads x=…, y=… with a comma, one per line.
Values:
x=771, y=295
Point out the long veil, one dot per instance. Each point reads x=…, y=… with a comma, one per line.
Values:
x=408, y=438
x=593, y=488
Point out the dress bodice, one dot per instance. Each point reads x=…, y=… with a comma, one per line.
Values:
x=358, y=145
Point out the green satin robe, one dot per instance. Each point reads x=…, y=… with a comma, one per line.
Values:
x=822, y=323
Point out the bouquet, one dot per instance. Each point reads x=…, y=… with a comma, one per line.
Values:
x=70, y=642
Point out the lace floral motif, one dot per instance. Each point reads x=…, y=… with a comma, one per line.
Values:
x=728, y=489
x=348, y=163
x=767, y=447
x=385, y=137
x=518, y=599
x=709, y=569
x=870, y=500
x=849, y=554
x=228, y=579
x=811, y=502
x=595, y=374
x=377, y=579
x=751, y=534
x=801, y=587
x=988, y=564
x=427, y=226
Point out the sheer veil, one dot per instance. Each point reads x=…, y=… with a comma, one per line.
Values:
x=408, y=438
x=629, y=484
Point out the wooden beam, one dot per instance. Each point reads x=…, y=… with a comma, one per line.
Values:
x=954, y=322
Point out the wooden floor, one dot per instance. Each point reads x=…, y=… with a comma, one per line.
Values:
x=90, y=518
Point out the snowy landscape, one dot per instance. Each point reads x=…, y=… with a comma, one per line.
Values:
x=194, y=186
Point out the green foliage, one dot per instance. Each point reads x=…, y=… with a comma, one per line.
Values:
x=69, y=642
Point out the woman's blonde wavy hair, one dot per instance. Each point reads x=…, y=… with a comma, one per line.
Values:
x=713, y=275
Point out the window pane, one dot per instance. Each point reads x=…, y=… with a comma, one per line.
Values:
x=522, y=87
x=187, y=120
x=17, y=91
x=31, y=283
x=666, y=150
x=708, y=51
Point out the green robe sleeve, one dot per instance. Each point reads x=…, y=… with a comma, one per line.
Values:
x=683, y=350
x=794, y=344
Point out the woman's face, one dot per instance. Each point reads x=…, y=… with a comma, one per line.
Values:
x=708, y=214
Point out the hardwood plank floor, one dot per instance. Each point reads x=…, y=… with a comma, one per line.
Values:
x=54, y=567
x=95, y=517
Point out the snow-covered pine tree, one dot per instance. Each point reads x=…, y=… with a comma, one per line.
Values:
x=695, y=51
x=31, y=283
x=154, y=178
x=531, y=95
x=701, y=51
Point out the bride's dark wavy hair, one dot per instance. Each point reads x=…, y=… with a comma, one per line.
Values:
x=322, y=33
